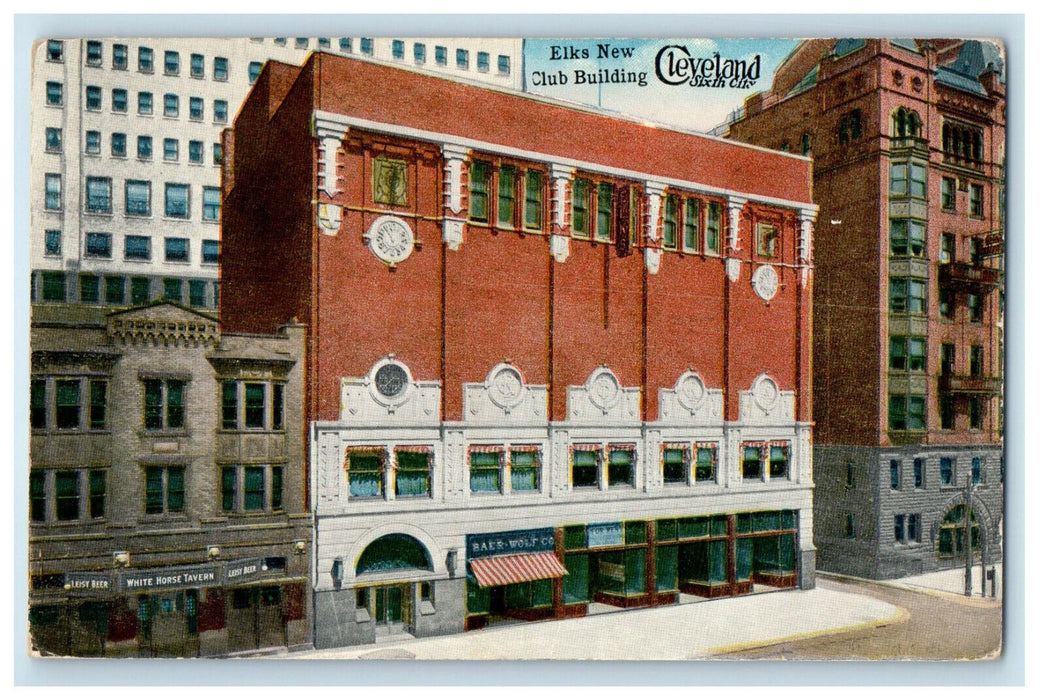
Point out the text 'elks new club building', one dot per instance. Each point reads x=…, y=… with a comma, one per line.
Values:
x=554, y=359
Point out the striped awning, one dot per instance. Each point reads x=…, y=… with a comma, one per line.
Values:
x=516, y=568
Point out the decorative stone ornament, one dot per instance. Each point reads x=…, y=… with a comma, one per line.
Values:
x=603, y=389
x=559, y=247
x=389, y=181
x=390, y=383
x=505, y=386
x=690, y=391
x=765, y=282
x=765, y=392
x=733, y=269
x=328, y=218
x=453, y=233
x=390, y=239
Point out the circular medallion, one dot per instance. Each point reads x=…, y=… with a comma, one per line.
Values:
x=506, y=388
x=690, y=392
x=603, y=391
x=765, y=393
x=765, y=282
x=390, y=380
x=391, y=239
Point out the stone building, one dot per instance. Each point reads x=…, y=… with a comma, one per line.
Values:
x=167, y=486
x=555, y=360
x=908, y=140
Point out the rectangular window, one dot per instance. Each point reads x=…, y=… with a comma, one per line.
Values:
x=67, y=494
x=137, y=198
x=93, y=98
x=849, y=530
x=581, y=218
x=908, y=354
x=230, y=405
x=277, y=406
x=506, y=195
x=946, y=471
x=145, y=147
x=778, y=462
x=38, y=496
x=975, y=470
x=413, y=474
x=196, y=152
x=691, y=224
x=119, y=100
x=216, y=150
x=196, y=65
x=52, y=191
x=479, y=191
x=976, y=200
x=907, y=237
x=67, y=404
x=172, y=289
x=898, y=528
x=89, y=289
x=670, y=224
x=503, y=64
x=419, y=52
x=145, y=103
x=365, y=475
x=482, y=61
x=907, y=412
x=53, y=140
x=948, y=193
x=976, y=414
x=211, y=203
x=367, y=45
x=170, y=149
x=752, y=463
x=441, y=55
x=164, y=404
x=118, y=145
x=253, y=488
x=229, y=482
x=276, y=488
x=54, y=50
x=766, y=240
x=176, y=203
x=850, y=475
x=145, y=59
x=98, y=245
x=915, y=528
x=170, y=62
x=462, y=59
x=96, y=409
x=254, y=405
x=119, y=56
x=140, y=290
x=673, y=466
x=704, y=464
x=221, y=68
x=895, y=474
x=253, y=71
x=93, y=142
x=114, y=288
x=533, y=215
x=170, y=105
x=584, y=471
x=137, y=248
x=53, y=286
x=99, y=192
x=164, y=490
x=917, y=472
x=38, y=404
x=604, y=211
x=975, y=304
x=485, y=472
x=209, y=251
x=976, y=361
x=525, y=468
x=621, y=468
x=197, y=294
x=196, y=108
x=54, y=93
x=96, y=493
x=397, y=49
x=907, y=295
x=176, y=249
x=221, y=111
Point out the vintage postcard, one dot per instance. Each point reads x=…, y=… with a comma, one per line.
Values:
x=517, y=348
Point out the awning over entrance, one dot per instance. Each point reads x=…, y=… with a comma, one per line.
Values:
x=516, y=568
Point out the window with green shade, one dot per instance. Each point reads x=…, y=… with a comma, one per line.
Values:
x=164, y=404
x=704, y=561
x=620, y=469
x=53, y=286
x=67, y=404
x=485, y=472
x=691, y=224
x=604, y=211
x=365, y=472
x=717, y=525
x=778, y=462
x=908, y=237
x=635, y=571
x=635, y=532
x=96, y=411
x=533, y=213
x=230, y=405
x=67, y=494
x=172, y=289
x=907, y=295
x=693, y=527
x=743, y=558
x=477, y=598
x=752, y=463
x=713, y=226
x=581, y=208
x=766, y=521
x=413, y=474
x=574, y=537
x=667, y=568
x=197, y=293
x=164, y=489
x=907, y=412
x=139, y=290
x=744, y=522
x=525, y=470
x=670, y=224
x=114, y=290
x=253, y=488
x=908, y=353
x=576, y=581
x=254, y=405
x=774, y=555
x=584, y=470
x=96, y=493
x=229, y=479
x=38, y=404
x=479, y=191
x=38, y=496
x=506, y=195
x=704, y=464
x=673, y=466
x=666, y=530
x=89, y=289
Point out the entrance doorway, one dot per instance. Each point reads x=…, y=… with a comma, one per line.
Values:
x=391, y=609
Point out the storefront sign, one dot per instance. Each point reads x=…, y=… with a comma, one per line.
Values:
x=515, y=542
x=89, y=582
x=605, y=534
x=174, y=577
x=245, y=570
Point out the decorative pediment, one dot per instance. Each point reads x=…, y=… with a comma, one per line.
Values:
x=163, y=323
x=690, y=401
x=504, y=398
x=765, y=403
x=602, y=399
x=389, y=395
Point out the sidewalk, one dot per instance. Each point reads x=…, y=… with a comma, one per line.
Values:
x=686, y=631
x=951, y=581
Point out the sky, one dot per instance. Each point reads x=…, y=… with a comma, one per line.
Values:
x=554, y=68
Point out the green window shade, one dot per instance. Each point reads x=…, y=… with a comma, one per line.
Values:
x=743, y=559
x=575, y=583
x=635, y=571
x=254, y=405
x=506, y=195
x=752, y=466
x=67, y=404
x=37, y=497
x=365, y=476
x=254, y=488
x=717, y=562
x=276, y=499
x=581, y=205
x=717, y=525
x=175, y=489
x=524, y=471
x=690, y=224
x=153, y=490
x=693, y=527
x=88, y=288
x=277, y=406
x=96, y=415
x=139, y=290
x=713, y=225
x=38, y=404
x=412, y=476
x=585, y=465
x=485, y=472
x=667, y=568
x=533, y=214
x=479, y=191
x=229, y=405
x=619, y=472
x=704, y=464
x=635, y=532
x=96, y=493
x=787, y=519
x=666, y=530
x=770, y=520
x=604, y=210
x=670, y=224
x=67, y=494
x=674, y=466
x=744, y=522
x=175, y=404
x=541, y=592
x=228, y=489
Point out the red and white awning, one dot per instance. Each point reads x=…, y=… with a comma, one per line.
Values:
x=516, y=568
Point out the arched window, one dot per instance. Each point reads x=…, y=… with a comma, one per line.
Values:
x=951, y=540
x=392, y=552
x=906, y=124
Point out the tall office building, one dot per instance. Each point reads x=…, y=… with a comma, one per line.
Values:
x=126, y=155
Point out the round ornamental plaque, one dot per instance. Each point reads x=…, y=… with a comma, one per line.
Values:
x=603, y=391
x=764, y=282
x=690, y=392
x=390, y=380
x=506, y=387
x=390, y=239
x=765, y=393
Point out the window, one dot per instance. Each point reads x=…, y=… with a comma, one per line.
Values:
x=145, y=103
x=98, y=195
x=67, y=494
x=119, y=56
x=53, y=140
x=804, y=145
x=849, y=531
x=907, y=412
x=976, y=256
x=907, y=237
x=170, y=62
x=766, y=240
x=53, y=286
x=976, y=360
x=915, y=528
x=52, y=242
x=145, y=147
x=419, y=52
x=367, y=45
x=118, y=145
x=479, y=191
x=917, y=472
x=170, y=105
x=119, y=100
x=713, y=226
x=975, y=470
x=209, y=251
x=506, y=195
x=38, y=496
x=482, y=61
x=895, y=474
x=301, y=43
x=673, y=466
x=164, y=404
x=365, y=471
x=961, y=144
x=898, y=528
x=525, y=469
x=704, y=464
x=691, y=224
x=778, y=462
x=584, y=470
x=254, y=405
x=54, y=93
x=98, y=245
x=947, y=471
x=975, y=303
x=976, y=414
x=581, y=218
x=462, y=58
x=93, y=98
x=196, y=65
x=54, y=50
x=52, y=191
x=216, y=153
x=196, y=108
x=114, y=289
x=533, y=213
x=908, y=353
x=907, y=295
x=908, y=180
x=176, y=200
x=977, y=200
x=276, y=416
x=145, y=59
x=850, y=126
x=906, y=124
x=670, y=223
x=170, y=149
x=221, y=111
x=137, y=198
x=89, y=289
x=221, y=68
x=503, y=64
x=345, y=44
x=947, y=247
x=621, y=468
x=441, y=55
x=176, y=249
x=413, y=474
x=485, y=470
x=136, y=248
x=948, y=193
x=140, y=293
x=261, y=488
x=604, y=211
x=752, y=463
x=262, y=404
x=172, y=289
x=211, y=203
x=164, y=490
x=253, y=71
x=850, y=475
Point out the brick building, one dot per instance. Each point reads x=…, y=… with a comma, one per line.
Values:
x=167, y=485
x=908, y=143
x=554, y=359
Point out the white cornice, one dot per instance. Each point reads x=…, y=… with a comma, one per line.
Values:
x=335, y=122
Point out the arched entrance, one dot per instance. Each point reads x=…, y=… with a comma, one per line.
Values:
x=390, y=603
x=951, y=537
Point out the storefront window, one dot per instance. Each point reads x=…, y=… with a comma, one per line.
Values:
x=667, y=568
x=575, y=583
x=743, y=557
x=477, y=598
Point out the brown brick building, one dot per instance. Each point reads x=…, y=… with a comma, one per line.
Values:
x=167, y=486
x=908, y=143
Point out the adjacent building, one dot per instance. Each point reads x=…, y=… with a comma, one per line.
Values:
x=908, y=143
x=167, y=498
x=554, y=360
x=126, y=152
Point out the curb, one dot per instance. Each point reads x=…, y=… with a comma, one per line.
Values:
x=975, y=601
